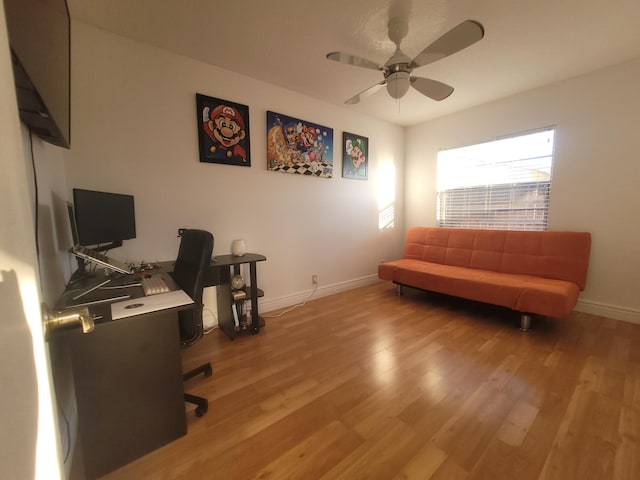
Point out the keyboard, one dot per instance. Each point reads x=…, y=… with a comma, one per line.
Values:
x=100, y=259
x=154, y=285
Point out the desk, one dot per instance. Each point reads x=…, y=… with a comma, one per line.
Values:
x=127, y=376
x=127, y=373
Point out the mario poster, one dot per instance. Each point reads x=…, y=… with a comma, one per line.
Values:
x=299, y=146
x=223, y=131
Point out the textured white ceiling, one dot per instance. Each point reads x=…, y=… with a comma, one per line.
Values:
x=527, y=43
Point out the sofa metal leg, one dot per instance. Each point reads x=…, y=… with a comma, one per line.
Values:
x=399, y=291
x=525, y=322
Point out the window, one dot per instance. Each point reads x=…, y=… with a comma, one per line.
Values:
x=504, y=184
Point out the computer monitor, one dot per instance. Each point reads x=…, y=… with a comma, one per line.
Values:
x=103, y=219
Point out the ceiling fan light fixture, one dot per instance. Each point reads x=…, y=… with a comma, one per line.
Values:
x=398, y=84
x=398, y=69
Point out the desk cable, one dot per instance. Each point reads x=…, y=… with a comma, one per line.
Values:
x=215, y=319
x=67, y=427
x=293, y=307
x=124, y=285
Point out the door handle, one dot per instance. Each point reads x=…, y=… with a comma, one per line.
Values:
x=54, y=321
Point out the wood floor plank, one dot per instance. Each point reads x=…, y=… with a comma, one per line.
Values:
x=449, y=470
x=503, y=461
x=423, y=464
x=380, y=457
x=627, y=461
x=516, y=426
x=366, y=384
x=315, y=456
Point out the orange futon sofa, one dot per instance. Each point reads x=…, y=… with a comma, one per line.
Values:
x=530, y=272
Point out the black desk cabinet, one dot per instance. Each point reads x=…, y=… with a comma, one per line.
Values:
x=221, y=270
x=128, y=384
x=127, y=373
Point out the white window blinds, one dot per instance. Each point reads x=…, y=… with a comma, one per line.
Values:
x=504, y=184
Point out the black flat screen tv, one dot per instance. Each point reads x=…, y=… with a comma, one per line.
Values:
x=103, y=218
x=40, y=41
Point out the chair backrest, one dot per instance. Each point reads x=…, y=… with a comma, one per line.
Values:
x=193, y=259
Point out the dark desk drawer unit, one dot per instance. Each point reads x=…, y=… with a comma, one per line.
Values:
x=127, y=373
x=128, y=384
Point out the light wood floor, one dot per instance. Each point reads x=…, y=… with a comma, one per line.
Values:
x=365, y=384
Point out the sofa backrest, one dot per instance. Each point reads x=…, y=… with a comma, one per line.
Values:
x=558, y=255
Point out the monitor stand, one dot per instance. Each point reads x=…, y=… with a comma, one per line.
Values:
x=108, y=246
x=81, y=272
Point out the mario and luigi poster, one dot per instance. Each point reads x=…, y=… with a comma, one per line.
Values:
x=299, y=146
x=223, y=131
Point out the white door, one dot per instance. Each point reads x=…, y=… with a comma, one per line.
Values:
x=29, y=440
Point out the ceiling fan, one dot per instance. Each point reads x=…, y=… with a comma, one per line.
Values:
x=397, y=71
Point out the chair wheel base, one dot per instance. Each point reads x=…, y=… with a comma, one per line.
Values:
x=200, y=411
x=201, y=402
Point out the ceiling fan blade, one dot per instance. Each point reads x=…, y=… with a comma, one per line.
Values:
x=353, y=60
x=431, y=88
x=456, y=39
x=366, y=93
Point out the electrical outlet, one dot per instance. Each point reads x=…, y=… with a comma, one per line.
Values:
x=314, y=279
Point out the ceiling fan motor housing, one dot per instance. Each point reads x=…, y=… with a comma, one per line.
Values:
x=398, y=82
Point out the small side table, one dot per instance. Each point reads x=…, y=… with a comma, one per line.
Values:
x=222, y=268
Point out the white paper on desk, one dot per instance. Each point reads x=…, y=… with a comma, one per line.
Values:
x=149, y=303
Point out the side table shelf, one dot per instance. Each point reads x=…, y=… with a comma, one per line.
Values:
x=241, y=310
x=225, y=267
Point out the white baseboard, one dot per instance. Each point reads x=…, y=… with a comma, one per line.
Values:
x=610, y=311
x=322, y=291
x=585, y=306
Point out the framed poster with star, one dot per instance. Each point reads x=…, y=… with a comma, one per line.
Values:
x=299, y=146
x=223, y=131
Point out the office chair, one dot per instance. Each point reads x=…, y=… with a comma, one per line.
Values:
x=193, y=259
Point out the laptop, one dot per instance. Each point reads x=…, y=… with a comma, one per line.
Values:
x=150, y=303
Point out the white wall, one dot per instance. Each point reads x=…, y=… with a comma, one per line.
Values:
x=134, y=131
x=595, y=178
x=54, y=235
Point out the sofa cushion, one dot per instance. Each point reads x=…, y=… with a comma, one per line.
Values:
x=533, y=272
x=524, y=293
x=554, y=255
